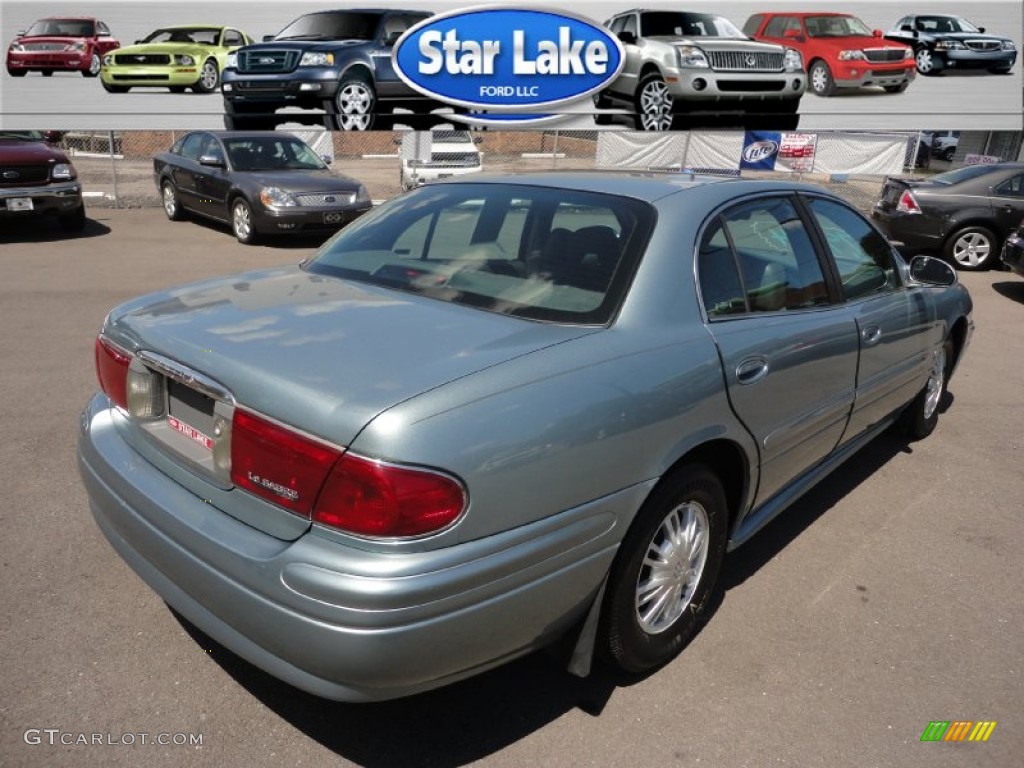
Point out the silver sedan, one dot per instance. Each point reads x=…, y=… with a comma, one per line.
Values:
x=495, y=413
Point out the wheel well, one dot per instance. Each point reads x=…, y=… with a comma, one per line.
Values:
x=358, y=70
x=648, y=69
x=960, y=225
x=728, y=462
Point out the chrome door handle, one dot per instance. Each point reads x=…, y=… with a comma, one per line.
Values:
x=752, y=369
x=871, y=335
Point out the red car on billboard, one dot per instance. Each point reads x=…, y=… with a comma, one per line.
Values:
x=839, y=50
x=59, y=44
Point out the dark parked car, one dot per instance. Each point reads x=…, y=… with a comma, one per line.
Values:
x=60, y=45
x=944, y=42
x=37, y=178
x=335, y=61
x=501, y=411
x=1013, y=250
x=964, y=214
x=259, y=182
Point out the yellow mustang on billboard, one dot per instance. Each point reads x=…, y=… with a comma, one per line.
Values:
x=173, y=57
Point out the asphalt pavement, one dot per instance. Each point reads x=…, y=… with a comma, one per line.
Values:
x=887, y=598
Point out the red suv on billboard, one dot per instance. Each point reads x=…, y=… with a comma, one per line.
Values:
x=839, y=50
x=49, y=45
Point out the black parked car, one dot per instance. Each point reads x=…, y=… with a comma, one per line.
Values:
x=944, y=42
x=1013, y=250
x=258, y=182
x=335, y=61
x=965, y=214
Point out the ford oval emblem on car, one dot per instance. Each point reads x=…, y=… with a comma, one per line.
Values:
x=12, y=175
x=759, y=150
x=507, y=58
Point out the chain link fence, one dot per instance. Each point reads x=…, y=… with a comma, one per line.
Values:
x=116, y=167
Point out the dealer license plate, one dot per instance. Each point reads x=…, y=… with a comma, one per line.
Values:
x=19, y=204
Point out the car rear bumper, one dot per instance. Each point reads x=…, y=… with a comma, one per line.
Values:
x=333, y=618
x=38, y=60
x=909, y=231
x=63, y=197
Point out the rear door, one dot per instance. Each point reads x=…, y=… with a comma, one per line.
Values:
x=896, y=324
x=1008, y=204
x=789, y=350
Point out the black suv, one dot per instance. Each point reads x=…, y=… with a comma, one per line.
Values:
x=335, y=61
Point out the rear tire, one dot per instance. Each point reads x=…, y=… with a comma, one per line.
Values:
x=972, y=248
x=665, y=571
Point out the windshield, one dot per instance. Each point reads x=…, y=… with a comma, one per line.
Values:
x=944, y=24
x=672, y=24
x=203, y=35
x=60, y=28
x=535, y=252
x=962, y=174
x=272, y=153
x=836, y=26
x=451, y=137
x=332, y=25
x=22, y=135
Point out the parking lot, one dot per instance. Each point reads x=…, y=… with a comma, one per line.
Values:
x=883, y=600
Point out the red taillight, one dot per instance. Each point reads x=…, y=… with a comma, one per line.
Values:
x=112, y=371
x=907, y=203
x=277, y=464
x=370, y=498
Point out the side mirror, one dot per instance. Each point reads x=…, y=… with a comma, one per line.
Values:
x=52, y=137
x=876, y=32
x=268, y=38
x=629, y=38
x=391, y=38
x=19, y=33
x=327, y=159
x=212, y=161
x=981, y=29
x=138, y=42
x=102, y=34
x=906, y=28
x=793, y=34
x=932, y=271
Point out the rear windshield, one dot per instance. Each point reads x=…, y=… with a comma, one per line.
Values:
x=962, y=174
x=535, y=252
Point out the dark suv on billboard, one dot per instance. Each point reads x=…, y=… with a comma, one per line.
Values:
x=338, y=62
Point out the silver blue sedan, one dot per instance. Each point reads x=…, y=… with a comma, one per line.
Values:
x=492, y=414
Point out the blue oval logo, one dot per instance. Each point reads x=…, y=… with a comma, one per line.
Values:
x=507, y=58
x=760, y=150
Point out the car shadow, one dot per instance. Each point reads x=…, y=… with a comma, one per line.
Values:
x=46, y=230
x=472, y=719
x=1011, y=289
x=294, y=241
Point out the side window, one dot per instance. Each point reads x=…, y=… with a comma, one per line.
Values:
x=193, y=145
x=232, y=37
x=862, y=255
x=778, y=264
x=394, y=26
x=617, y=24
x=102, y=29
x=630, y=25
x=212, y=148
x=1012, y=187
x=720, y=287
x=776, y=27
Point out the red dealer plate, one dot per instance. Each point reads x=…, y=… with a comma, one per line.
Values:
x=190, y=432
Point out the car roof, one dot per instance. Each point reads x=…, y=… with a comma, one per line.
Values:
x=248, y=134
x=804, y=14
x=648, y=186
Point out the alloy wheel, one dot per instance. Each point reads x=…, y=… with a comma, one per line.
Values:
x=241, y=221
x=936, y=383
x=672, y=567
x=355, y=104
x=170, y=201
x=972, y=249
x=925, y=61
x=209, y=77
x=655, y=106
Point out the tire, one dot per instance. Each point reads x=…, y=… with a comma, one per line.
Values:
x=947, y=154
x=897, y=88
x=600, y=102
x=74, y=221
x=354, y=106
x=46, y=72
x=241, y=221
x=928, y=62
x=684, y=524
x=209, y=77
x=94, y=66
x=176, y=88
x=821, y=81
x=17, y=72
x=972, y=248
x=922, y=415
x=654, y=105
x=114, y=88
x=1001, y=71
x=170, y=201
